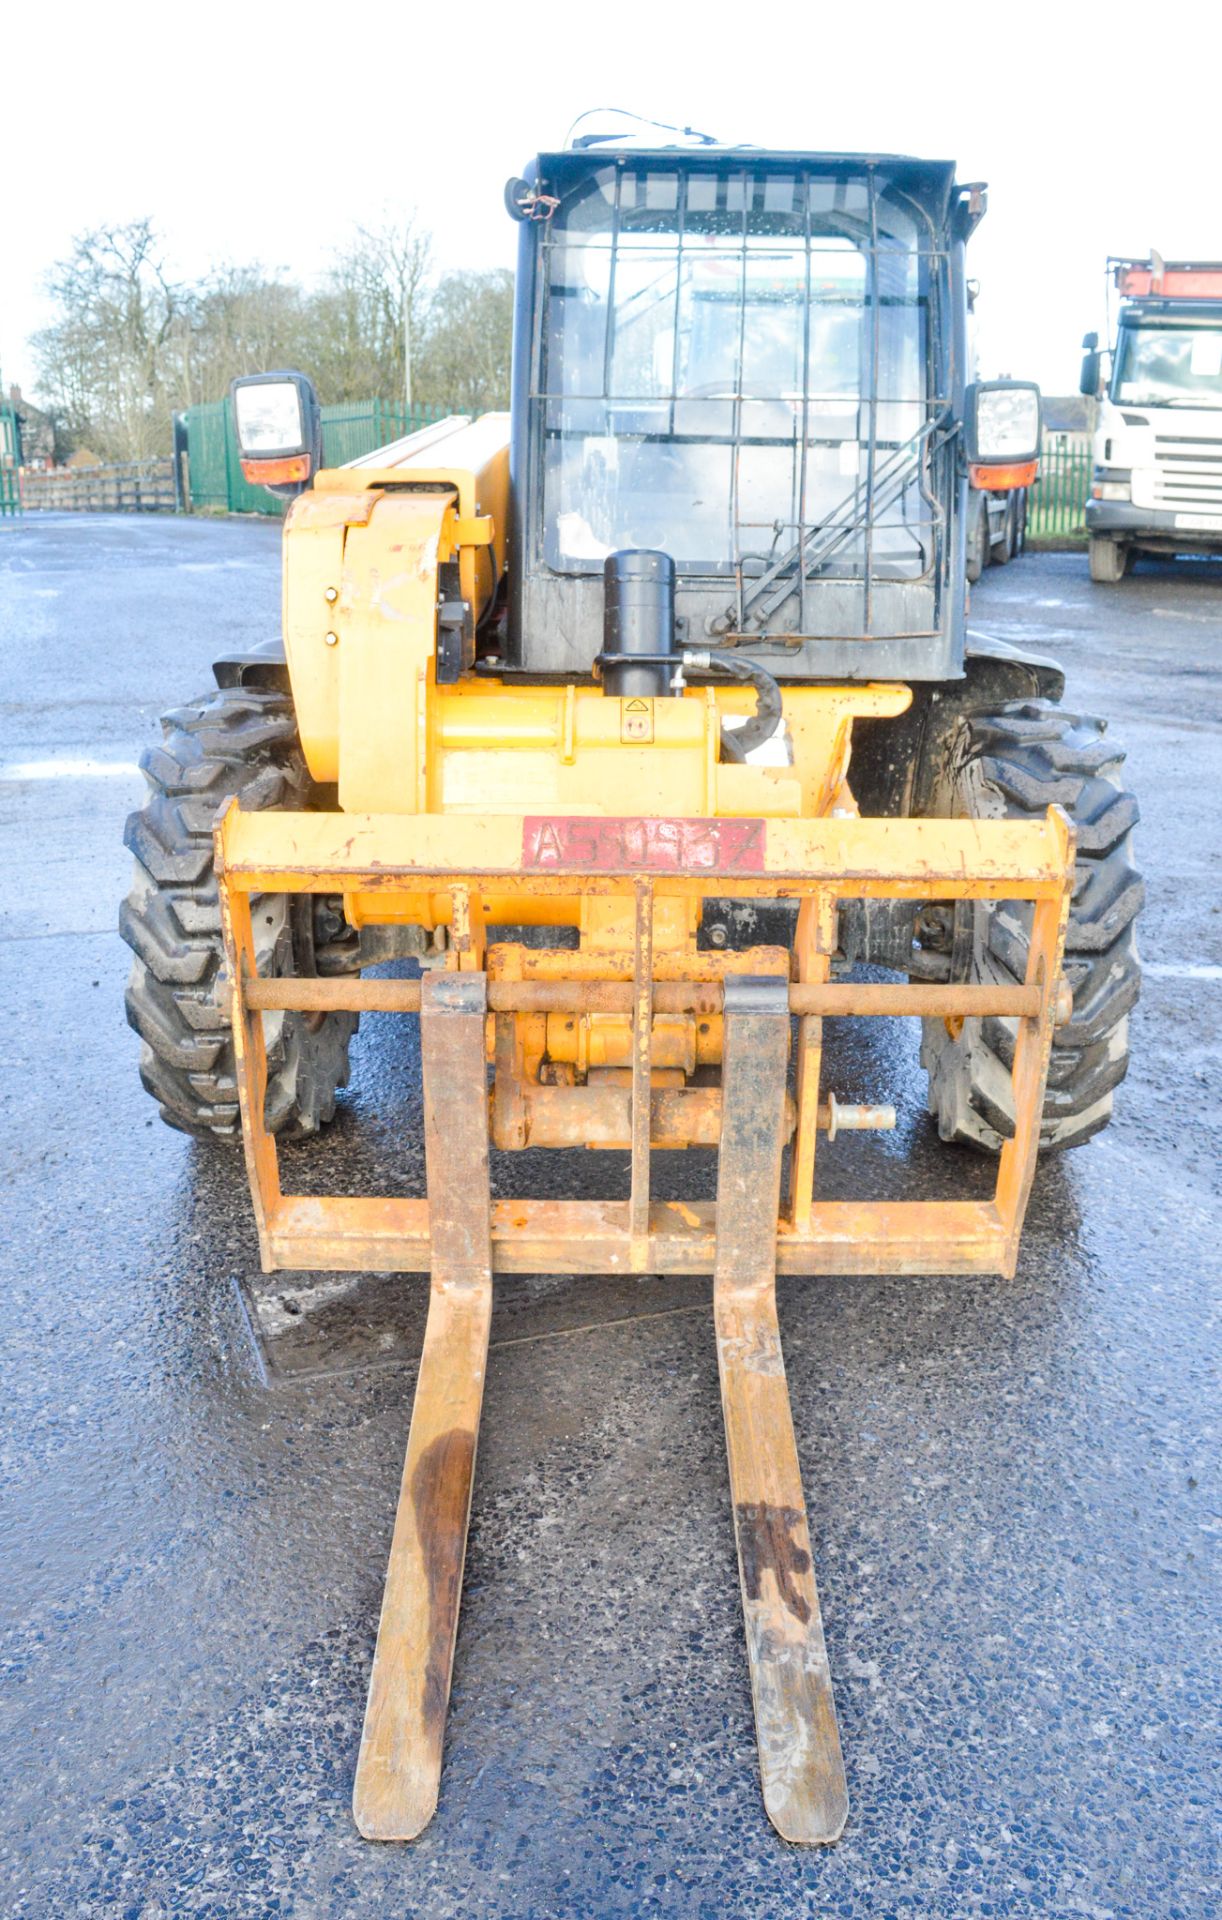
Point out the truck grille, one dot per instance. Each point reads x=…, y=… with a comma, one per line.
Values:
x=1188, y=474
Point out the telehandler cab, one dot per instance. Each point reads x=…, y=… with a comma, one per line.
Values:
x=643, y=717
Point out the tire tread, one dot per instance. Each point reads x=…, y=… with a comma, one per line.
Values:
x=1013, y=764
x=235, y=742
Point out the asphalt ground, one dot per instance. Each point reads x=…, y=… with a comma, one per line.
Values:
x=1012, y=1486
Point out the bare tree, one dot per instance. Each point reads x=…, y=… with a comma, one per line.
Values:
x=465, y=355
x=243, y=320
x=130, y=345
x=370, y=314
x=103, y=362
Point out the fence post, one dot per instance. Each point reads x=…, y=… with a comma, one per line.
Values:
x=181, y=495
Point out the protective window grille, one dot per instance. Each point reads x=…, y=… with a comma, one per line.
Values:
x=738, y=366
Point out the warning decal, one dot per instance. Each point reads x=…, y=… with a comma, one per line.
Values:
x=643, y=846
x=636, y=720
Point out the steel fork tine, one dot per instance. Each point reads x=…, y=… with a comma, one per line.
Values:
x=399, y=1770
x=801, y=1767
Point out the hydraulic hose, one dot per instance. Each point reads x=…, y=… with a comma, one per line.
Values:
x=738, y=742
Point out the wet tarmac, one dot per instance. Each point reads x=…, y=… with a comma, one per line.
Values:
x=1013, y=1487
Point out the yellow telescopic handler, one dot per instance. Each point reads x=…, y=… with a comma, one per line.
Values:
x=645, y=718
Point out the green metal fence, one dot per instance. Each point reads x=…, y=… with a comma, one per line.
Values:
x=1056, y=504
x=10, y=462
x=353, y=429
x=214, y=468
x=349, y=430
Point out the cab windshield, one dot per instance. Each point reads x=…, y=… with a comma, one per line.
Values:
x=1179, y=366
x=735, y=366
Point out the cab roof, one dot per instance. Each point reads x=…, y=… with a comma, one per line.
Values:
x=933, y=181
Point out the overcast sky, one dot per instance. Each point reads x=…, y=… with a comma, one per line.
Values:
x=263, y=132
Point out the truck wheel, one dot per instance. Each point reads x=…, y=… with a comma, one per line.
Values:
x=1003, y=549
x=977, y=538
x=1012, y=764
x=1109, y=560
x=233, y=742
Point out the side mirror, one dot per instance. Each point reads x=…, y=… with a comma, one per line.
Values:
x=523, y=201
x=279, y=427
x=1092, y=366
x=1002, y=432
x=517, y=198
x=1090, y=341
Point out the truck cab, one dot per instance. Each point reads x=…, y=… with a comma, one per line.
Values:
x=1157, y=482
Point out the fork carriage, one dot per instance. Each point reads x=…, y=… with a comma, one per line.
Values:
x=639, y=973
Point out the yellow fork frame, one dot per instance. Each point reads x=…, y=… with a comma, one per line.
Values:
x=461, y=1236
x=820, y=862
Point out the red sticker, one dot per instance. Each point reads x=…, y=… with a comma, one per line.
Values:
x=571, y=843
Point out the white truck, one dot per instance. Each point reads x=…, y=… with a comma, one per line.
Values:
x=1157, y=481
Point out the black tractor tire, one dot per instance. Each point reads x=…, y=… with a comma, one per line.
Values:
x=241, y=742
x=1012, y=764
